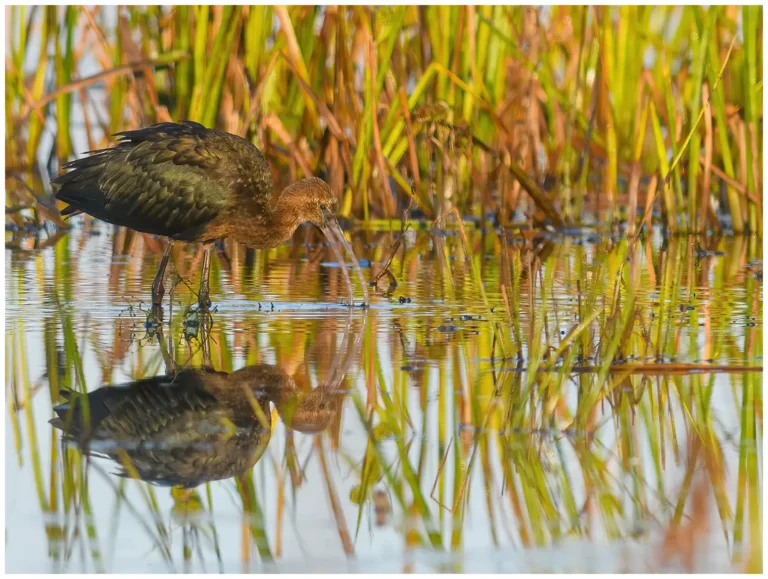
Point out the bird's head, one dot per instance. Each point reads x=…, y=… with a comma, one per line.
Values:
x=313, y=201
x=308, y=411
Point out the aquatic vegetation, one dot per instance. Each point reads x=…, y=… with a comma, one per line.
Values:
x=557, y=112
x=601, y=389
x=549, y=364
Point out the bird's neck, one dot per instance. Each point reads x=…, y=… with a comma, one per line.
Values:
x=268, y=231
x=265, y=230
x=285, y=218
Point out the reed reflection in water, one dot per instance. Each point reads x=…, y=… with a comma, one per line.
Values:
x=465, y=423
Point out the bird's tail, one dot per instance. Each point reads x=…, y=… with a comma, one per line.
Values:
x=79, y=413
x=60, y=421
x=79, y=187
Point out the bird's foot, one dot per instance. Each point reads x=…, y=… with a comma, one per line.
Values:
x=196, y=319
x=204, y=302
x=154, y=319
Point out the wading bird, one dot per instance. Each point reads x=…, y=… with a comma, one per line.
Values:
x=181, y=429
x=193, y=425
x=189, y=183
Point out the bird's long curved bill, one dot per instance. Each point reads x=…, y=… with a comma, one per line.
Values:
x=336, y=237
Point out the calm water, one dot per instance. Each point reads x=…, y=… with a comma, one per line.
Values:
x=435, y=452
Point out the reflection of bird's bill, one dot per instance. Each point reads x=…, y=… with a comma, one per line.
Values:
x=345, y=354
x=305, y=412
x=336, y=236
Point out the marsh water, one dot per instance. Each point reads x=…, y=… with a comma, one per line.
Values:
x=550, y=403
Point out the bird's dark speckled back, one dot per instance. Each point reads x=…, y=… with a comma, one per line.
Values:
x=178, y=429
x=170, y=179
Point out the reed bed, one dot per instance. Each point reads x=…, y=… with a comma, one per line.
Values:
x=516, y=387
x=557, y=115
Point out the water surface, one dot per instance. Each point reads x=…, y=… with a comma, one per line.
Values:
x=479, y=428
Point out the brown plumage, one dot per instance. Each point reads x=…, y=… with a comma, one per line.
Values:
x=189, y=183
x=192, y=426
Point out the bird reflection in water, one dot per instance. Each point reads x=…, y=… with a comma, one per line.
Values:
x=194, y=425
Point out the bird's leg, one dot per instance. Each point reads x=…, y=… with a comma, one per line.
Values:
x=224, y=260
x=158, y=290
x=205, y=327
x=203, y=296
x=166, y=349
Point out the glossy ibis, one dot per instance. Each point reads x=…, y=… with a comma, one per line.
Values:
x=192, y=426
x=180, y=429
x=189, y=183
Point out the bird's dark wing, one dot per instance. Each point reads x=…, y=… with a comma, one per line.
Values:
x=174, y=429
x=254, y=187
x=138, y=410
x=168, y=179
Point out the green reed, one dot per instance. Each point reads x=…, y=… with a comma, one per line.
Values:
x=509, y=436
x=550, y=94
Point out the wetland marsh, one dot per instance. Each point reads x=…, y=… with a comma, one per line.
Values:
x=558, y=211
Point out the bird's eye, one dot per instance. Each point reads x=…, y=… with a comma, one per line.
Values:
x=322, y=207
